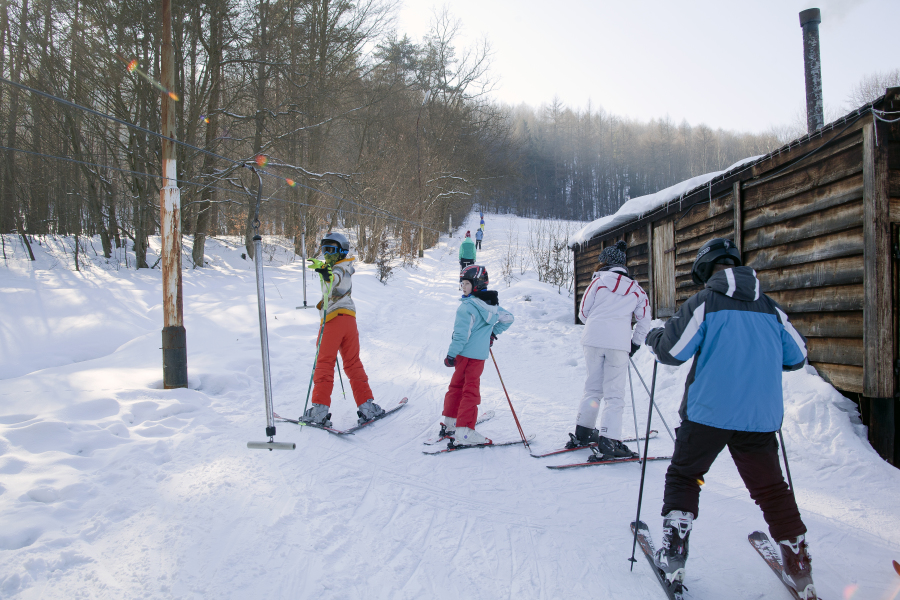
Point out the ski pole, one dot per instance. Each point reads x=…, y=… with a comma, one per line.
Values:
x=637, y=519
x=637, y=437
x=787, y=467
x=522, y=433
x=341, y=377
x=661, y=418
x=318, y=345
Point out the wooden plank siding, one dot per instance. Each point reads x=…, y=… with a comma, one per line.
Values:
x=797, y=216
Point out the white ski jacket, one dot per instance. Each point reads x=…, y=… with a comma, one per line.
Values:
x=606, y=309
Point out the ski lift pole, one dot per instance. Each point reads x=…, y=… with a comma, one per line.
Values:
x=263, y=334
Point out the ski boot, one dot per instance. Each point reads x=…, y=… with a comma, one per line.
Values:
x=670, y=558
x=448, y=426
x=317, y=414
x=583, y=436
x=797, y=570
x=368, y=410
x=611, y=449
x=466, y=436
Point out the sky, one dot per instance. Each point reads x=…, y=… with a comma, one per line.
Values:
x=734, y=65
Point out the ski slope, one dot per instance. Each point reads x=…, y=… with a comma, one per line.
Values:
x=112, y=487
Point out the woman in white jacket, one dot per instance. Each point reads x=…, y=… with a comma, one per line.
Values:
x=606, y=310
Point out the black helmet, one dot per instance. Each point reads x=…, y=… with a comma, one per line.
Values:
x=477, y=275
x=710, y=253
x=338, y=241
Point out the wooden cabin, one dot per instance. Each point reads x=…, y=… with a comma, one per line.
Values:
x=818, y=219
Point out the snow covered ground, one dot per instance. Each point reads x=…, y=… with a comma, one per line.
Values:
x=111, y=487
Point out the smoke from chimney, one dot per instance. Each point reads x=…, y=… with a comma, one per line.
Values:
x=812, y=64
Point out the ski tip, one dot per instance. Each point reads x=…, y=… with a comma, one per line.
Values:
x=403, y=400
x=758, y=536
x=639, y=525
x=897, y=567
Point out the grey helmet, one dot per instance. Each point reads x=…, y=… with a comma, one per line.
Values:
x=337, y=240
x=713, y=251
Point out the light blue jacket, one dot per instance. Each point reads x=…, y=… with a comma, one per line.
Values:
x=467, y=249
x=475, y=321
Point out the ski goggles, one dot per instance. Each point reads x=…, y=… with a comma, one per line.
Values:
x=332, y=250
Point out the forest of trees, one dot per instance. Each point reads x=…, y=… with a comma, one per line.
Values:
x=382, y=135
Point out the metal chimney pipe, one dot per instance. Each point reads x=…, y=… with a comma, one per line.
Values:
x=812, y=64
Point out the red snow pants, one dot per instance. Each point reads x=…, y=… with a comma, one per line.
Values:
x=340, y=334
x=463, y=396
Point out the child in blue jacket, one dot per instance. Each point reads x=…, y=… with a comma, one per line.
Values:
x=479, y=320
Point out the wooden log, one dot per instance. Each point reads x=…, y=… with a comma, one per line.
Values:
x=717, y=223
x=835, y=245
x=692, y=245
x=877, y=315
x=895, y=210
x=835, y=138
x=836, y=218
x=835, y=168
x=704, y=210
x=738, y=217
x=636, y=237
x=824, y=299
x=839, y=351
x=846, y=378
x=839, y=271
x=830, y=324
x=845, y=190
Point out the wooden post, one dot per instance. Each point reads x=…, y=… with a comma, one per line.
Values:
x=738, y=219
x=174, y=345
x=878, y=356
x=650, y=294
x=877, y=338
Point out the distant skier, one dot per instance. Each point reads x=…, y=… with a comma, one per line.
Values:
x=479, y=234
x=741, y=341
x=606, y=310
x=466, y=252
x=479, y=320
x=339, y=334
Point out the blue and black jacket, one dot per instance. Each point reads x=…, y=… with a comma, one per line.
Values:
x=741, y=341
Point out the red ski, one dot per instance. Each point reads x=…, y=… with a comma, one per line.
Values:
x=610, y=461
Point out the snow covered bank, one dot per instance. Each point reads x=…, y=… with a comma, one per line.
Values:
x=111, y=487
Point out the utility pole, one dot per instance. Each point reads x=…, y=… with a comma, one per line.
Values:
x=174, y=344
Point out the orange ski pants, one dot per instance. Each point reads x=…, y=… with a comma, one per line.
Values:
x=340, y=335
x=464, y=394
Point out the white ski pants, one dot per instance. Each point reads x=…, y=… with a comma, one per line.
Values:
x=606, y=370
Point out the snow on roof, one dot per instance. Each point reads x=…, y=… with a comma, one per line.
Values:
x=638, y=207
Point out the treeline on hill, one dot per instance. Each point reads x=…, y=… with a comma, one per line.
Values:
x=378, y=133
x=583, y=164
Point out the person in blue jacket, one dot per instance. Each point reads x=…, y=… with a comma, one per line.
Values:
x=740, y=341
x=479, y=235
x=479, y=320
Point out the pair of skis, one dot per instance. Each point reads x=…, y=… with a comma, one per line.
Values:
x=596, y=458
x=443, y=437
x=350, y=431
x=759, y=540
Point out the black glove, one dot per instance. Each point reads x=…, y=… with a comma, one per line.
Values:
x=634, y=348
x=450, y=361
x=325, y=272
x=493, y=337
x=654, y=336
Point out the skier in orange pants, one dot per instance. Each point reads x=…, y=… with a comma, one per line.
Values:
x=338, y=334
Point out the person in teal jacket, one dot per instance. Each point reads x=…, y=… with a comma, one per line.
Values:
x=466, y=252
x=479, y=320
